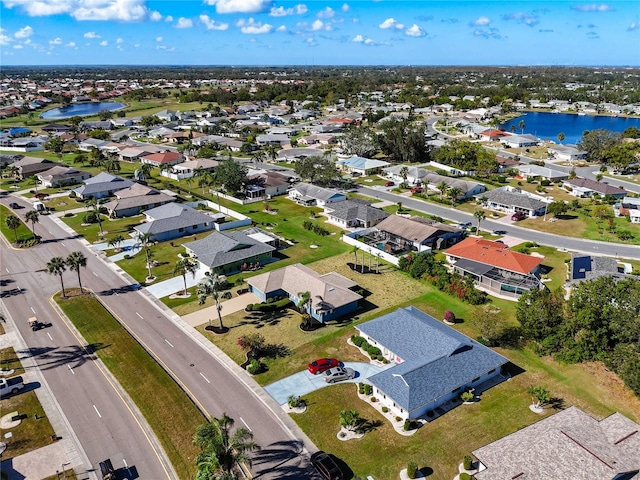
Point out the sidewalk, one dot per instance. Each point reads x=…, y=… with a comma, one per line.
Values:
x=41, y=463
x=232, y=305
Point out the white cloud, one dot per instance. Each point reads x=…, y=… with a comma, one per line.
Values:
x=70, y=44
x=634, y=26
x=593, y=7
x=155, y=16
x=251, y=27
x=159, y=39
x=317, y=25
x=17, y=46
x=481, y=21
x=104, y=43
x=525, y=18
x=328, y=12
x=281, y=29
x=184, y=23
x=25, y=32
x=240, y=6
x=280, y=11
x=358, y=39
x=39, y=8
x=345, y=7
x=120, y=40
x=391, y=23
x=91, y=35
x=168, y=18
x=211, y=24
x=55, y=41
x=414, y=31
x=118, y=10
x=4, y=39
x=301, y=9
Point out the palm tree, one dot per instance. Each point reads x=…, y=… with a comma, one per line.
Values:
x=57, y=266
x=76, y=260
x=184, y=266
x=145, y=171
x=355, y=254
x=93, y=204
x=112, y=164
x=272, y=152
x=116, y=241
x=479, y=215
x=350, y=420
x=522, y=125
x=404, y=173
x=32, y=216
x=442, y=187
x=454, y=193
x=228, y=448
x=258, y=156
x=512, y=129
x=33, y=179
x=304, y=299
x=144, y=240
x=561, y=137
x=13, y=223
x=209, y=285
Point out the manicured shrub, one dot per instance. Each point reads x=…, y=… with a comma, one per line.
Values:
x=357, y=340
x=249, y=307
x=412, y=468
x=385, y=409
x=545, y=183
x=407, y=425
x=449, y=316
x=464, y=476
x=467, y=460
x=398, y=419
x=374, y=399
x=361, y=388
x=368, y=389
x=90, y=217
x=254, y=367
x=68, y=215
x=467, y=396
x=294, y=401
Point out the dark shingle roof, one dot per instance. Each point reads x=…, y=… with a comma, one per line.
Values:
x=350, y=210
x=220, y=248
x=519, y=200
x=172, y=216
x=436, y=358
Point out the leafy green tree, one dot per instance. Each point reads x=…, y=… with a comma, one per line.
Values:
x=210, y=285
x=557, y=208
x=621, y=155
x=350, y=420
x=33, y=217
x=75, y=261
x=150, y=121
x=55, y=145
x=304, y=300
x=232, y=176
x=403, y=142
x=183, y=267
x=597, y=142
x=359, y=141
x=540, y=313
x=57, y=266
x=13, y=223
x=99, y=134
x=467, y=156
x=479, y=215
x=105, y=115
x=317, y=169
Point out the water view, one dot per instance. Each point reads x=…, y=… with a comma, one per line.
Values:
x=81, y=110
x=547, y=126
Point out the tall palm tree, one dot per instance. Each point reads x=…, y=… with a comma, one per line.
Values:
x=184, y=266
x=57, y=266
x=93, y=204
x=442, y=187
x=13, y=223
x=229, y=448
x=210, y=285
x=75, y=261
x=522, y=125
x=561, y=137
x=144, y=241
x=112, y=164
x=33, y=179
x=479, y=215
x=355, y=254
x=404, y=173
x=116, y=241
x=453, y=193
x=145, y=171
x=32, y=216
x=304, y=299
x=272, y=152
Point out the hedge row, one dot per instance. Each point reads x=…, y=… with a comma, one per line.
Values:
x=374, y=352
x=269, y=307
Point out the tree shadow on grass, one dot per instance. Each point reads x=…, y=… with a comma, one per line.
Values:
x=557, y=403
x=369, y=425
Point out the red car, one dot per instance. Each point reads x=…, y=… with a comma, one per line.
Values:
x=322, y=364
x=389, y=184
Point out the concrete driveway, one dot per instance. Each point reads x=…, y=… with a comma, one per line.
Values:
x=232, y=305
x=303, y=382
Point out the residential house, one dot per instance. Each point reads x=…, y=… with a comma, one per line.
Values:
x=320, y=139
x=27, y=166
x=354, y=214
x=567, y=152
x=188, y=169
x=362, y=166
x=134, y=199
x=433, y=363
x=311, y=195
x=567, y=444
x=55, y=128
x=519, y=141
x=272, y=139
x=585, y=187
x=331, y=295
x=229, y=252
x=60, y=175
x=267, y=184
x=510, y=200
x=96, y=125
x=9, y=159
x=134, y=154
x=167, y=115
x=493, y=135
x=589, y=267
x=414, y=234
x=628, y=206
x=494, y=267
x=506, y=163
x=467, y=188
x=293, y=154
x=174, y=220
x=162, y=158
x=160, y=132
x=88, y=144
x=415, y=175
x=102, y=185
x=543, y=173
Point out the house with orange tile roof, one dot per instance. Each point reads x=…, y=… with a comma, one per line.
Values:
x=162, y=158
x=494, y=268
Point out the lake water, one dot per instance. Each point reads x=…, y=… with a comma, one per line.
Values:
x=81, y=110
x=547, y=126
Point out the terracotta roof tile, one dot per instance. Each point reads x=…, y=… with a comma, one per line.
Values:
x=493, y=253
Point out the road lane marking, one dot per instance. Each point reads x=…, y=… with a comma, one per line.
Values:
x=95, y=274
x=117, y=294
x=71, y=369
x=139, y=315
x=49, y=335
x=7, y=270
x=62, y=244
x=169, y=343
x=245, y=424
x=206, y=379
x=96, y=409
x=32, y=309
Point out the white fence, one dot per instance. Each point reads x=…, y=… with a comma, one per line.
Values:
x=240, y=219
x=349, y=238
x=240, y=201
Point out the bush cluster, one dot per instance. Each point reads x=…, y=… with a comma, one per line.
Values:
x=409, y=425
x=365, y=389
x=254, y=367
x=269, y=306
x=467, y=460
x=315, y=228
x=374, y=352
x=412, y=468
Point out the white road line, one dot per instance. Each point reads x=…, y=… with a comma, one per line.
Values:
x=245, y=424
x=7, y=270
x=95, y=274
x=96, y=409
x=62, y=244
x=49, y=335
x=117, y=294
x=169, y=343
x=139, y=315
x=71, y=369
x=207, y=380
x=125, y=463
x=32, y=309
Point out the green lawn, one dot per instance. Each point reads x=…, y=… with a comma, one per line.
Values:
x=34, y=431
x=111, y=228
x=168, y=410
x=23, y=232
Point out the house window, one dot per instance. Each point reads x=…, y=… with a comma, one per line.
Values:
x=195, y=227
x=181, y=229
x=475, y=379
x=491, y=371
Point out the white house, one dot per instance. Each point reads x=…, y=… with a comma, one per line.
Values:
x=310, y=195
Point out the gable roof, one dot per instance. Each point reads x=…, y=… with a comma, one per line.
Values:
x=135, y=190
x=436, y=359
x=412, y=172
x=600, y=187
x=493, y=253
x=270, y=179
x=219, y=249
x=101, y=183
x=170, y=217
x=61, y=172
x=328, y=291
x=503, y=196
x=362, y=163
x=163, y=157
x=568, y=444
x=452, y=182
x=414, y=228
x=313, y=191
x=351, y=210
x=123, y=203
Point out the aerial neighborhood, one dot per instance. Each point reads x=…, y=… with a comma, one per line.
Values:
x=403, y=280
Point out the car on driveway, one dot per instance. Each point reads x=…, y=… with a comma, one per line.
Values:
x=337, y=374
x=326, y=466
x=516, y=217
x=322, y=364
x=389, y=184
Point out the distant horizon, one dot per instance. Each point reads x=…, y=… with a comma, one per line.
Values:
x=194, y=65
x=233, y=33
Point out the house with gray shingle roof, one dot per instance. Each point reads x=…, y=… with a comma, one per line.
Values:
x=568, y=444
x=434, y=363
x=62, y=175
x=310, y=195
x=467, y=187
x=406, y=234
x=510, y=200
x=536, y=171
x=133, y=200
x=102, y=185
x=415, y=175
x=354, y=214
x=174, y=220
x=331, y=294
x=361, y=165
x=229, y=252
x=585, y=187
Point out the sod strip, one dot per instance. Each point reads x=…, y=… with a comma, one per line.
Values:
x=165, y=406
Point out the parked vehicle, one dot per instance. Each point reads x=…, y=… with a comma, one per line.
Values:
x=516, y=217
x=464, y=225
x=326, y=466
x=322, y=364
x=337, y=374
x=107, y=470
x=14, y=205
x=40, y=207
x=11, y=385
x=416, y=190
x=35, y=324
x=389, y=184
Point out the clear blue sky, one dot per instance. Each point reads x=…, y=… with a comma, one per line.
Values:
x=363, y=32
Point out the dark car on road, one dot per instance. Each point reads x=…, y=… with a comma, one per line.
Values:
x=14, y=205
x=322, y=364
x=326, y=466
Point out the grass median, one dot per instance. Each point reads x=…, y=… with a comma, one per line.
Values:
x=165, y=406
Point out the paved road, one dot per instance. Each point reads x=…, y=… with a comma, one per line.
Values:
x=558, y=241
x=102, y=422
x=214, y=382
